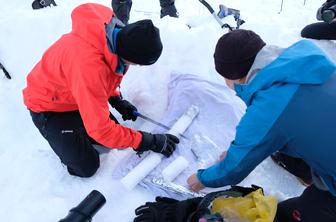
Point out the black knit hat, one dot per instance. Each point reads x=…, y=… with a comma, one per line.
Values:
x=139, y=43
x=235, y=53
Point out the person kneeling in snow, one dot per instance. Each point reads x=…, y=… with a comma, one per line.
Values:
x=68, y=91
x=291, y=104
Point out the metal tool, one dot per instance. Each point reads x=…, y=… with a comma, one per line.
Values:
x=135, y=113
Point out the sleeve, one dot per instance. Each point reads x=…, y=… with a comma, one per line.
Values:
x=88, y=83
x=258, y=135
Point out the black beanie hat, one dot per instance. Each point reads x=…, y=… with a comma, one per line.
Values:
x=139, y=43
x=235, y=53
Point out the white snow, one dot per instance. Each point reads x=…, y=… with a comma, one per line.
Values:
x=34, y=186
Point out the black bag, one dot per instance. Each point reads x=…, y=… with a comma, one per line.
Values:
x=191, y=210
x=203, y=210
x=37, y=4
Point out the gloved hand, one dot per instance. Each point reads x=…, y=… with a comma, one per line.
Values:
x=125, y=108
x=166, y=210
x=159, y=143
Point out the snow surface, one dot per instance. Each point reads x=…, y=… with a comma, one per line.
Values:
x=34, y=186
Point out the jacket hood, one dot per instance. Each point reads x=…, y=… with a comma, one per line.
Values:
x=302, y=63
x=88, y=23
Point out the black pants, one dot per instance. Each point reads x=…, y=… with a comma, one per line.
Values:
x=320, y=30
x=314, y=205
x=122, y=8
x=67, y=136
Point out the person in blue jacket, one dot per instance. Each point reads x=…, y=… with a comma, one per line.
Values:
x=291, y=107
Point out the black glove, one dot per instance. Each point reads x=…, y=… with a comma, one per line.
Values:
x=159, y=143
x=125, y=108
x=166, y=210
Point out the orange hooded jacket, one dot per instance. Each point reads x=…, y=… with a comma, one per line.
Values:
x=78, y=73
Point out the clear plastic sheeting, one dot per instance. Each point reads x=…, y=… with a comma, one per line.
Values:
x=206, y=151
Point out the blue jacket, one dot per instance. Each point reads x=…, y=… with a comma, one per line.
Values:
x=291, y=107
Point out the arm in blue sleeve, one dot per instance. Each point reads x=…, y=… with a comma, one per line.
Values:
x=258, y=135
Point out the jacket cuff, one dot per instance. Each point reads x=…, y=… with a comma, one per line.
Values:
x=137, y=141
x=202, y=177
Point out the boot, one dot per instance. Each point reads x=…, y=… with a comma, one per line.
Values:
x=169, y=10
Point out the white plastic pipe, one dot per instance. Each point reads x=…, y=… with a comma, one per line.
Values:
x=184, y=121
x=174, y=169
x=139, y=172
x=154, y=159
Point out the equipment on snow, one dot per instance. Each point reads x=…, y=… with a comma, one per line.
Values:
x=5, y=71
x=225, y=11
x=222, y=12
x=175, y=168
x=86, y=209
x=327, y=12
x=234, y=204
x=137, y=114
x=166, y=209
x=37, y=4
x=139, y=172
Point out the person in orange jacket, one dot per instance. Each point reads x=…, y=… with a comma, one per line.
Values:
x=69, y=89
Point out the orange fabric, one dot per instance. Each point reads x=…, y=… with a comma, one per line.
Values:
x=78, y=73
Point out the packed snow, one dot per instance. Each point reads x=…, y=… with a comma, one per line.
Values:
x=34, y=186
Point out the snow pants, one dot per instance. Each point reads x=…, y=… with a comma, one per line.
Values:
x=122, y=8
x=67, y=136
x=320, y=30
x=313, y=205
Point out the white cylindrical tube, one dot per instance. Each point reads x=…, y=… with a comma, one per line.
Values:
x=184, y=121
x=153, y=160
x=174, y=169
x=141, y=170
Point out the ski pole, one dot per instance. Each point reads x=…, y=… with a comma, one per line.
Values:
x=135, y=113
x=281, y=7
x=5, y=71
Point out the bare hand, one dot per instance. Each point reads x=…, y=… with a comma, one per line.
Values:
x=194, y=183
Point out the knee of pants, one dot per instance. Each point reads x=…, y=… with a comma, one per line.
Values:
x=285, y=210
x=84, y=169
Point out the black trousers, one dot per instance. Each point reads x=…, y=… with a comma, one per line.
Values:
x=67, y=136
x=312, y=206
x=122, y=8
x=320, y=30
